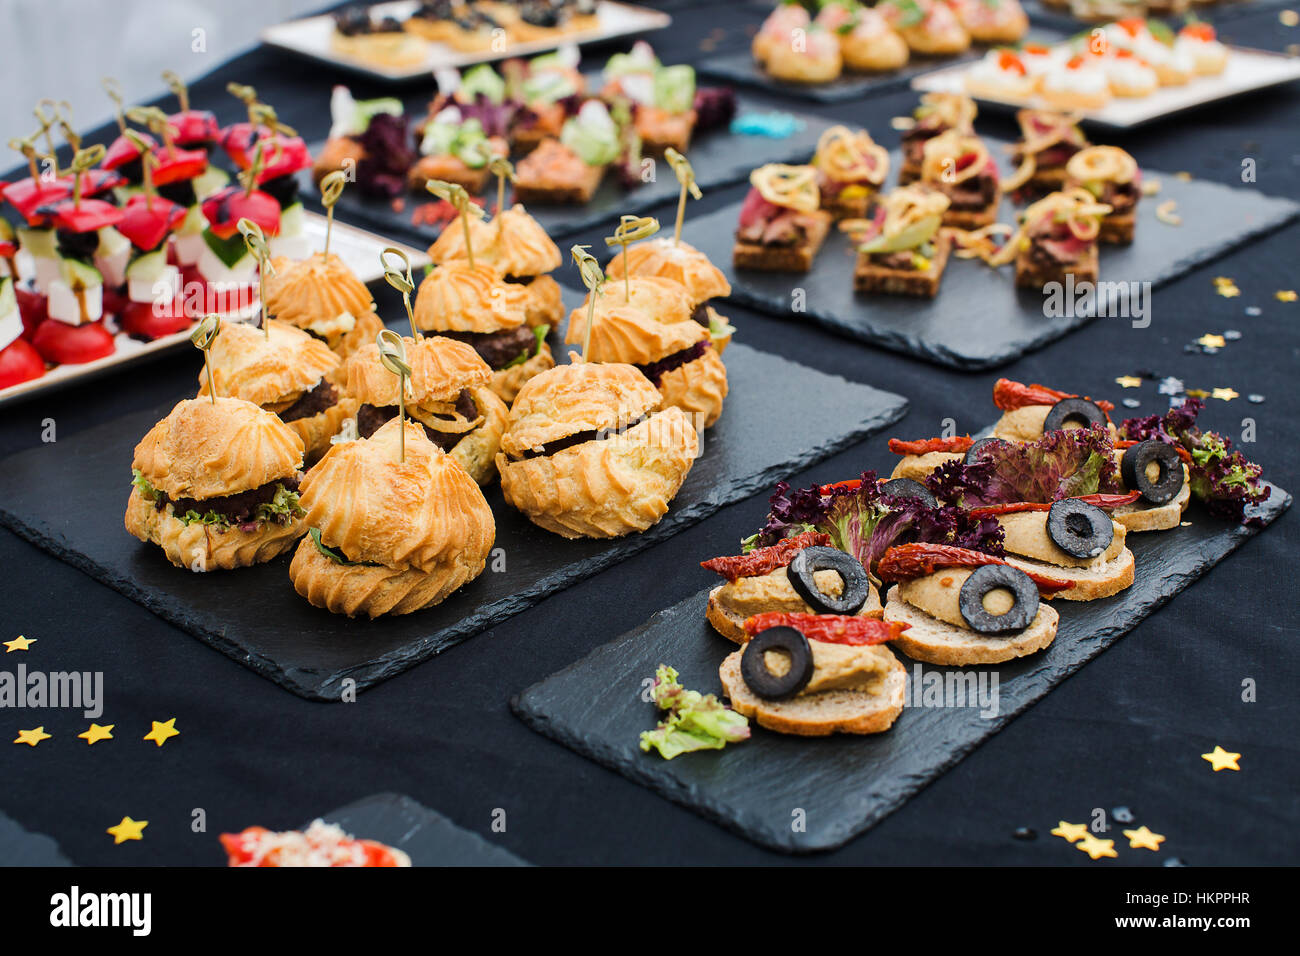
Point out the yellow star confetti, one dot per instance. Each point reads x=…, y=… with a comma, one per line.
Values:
x=128, y=829
x=1228, y=291
x=1183, y=175
x=19, y=643
x=98, y=732
x=1224, y=280
x=1095, y=847
x=1221, y=759
x=32, y=737
x=1197, y=393
x=162, y=732
x=1128, y=381
x=1143, y=839
x=1211, y=341
x=1288, y=18
x=1285, y=295
x=1070, y=831
x=1226, y=394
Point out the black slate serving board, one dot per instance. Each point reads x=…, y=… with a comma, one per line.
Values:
x=844, y=785
x=718, y=157
x=21, y=847
x=979, y=319
x=68, y=498
x=425, y=835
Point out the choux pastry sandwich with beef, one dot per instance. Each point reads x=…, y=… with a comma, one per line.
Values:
x=448, y=395
x=664, y=258
x=646, y=322
x=216, y=485
x=591, y=451
x=395, y=524
x=323, y=297
x=476, y=305
x=286, y=371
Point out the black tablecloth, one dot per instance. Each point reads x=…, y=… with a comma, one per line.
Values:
x=1127, y=730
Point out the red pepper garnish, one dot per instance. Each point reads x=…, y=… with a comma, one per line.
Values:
x=852, y=484
x=224, y=209
x=903, y=562
x=1009, y=395
x=62, y=344
x=178, y=165
x=87, y=216
x=241, y=849
x=1104, y=502
x=1183, y=453
x=194, y=126
x=764, y=560
x=28, y=195
x=829, y=628
x=923, y=446
x=19, y=362
x=122, y=151
x=146, y=220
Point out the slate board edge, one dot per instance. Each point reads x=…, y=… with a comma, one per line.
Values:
x=643, y=771
x=306, y=684
x=897, y=342
x=500, y=854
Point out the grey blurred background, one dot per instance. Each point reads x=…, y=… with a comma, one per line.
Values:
x=131, y=40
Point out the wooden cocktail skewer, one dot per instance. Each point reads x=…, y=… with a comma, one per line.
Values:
x=401, y=280
x=631, y=229
x=331, y=188
x=593, y=277
x=502, y=169
x=455, y=194
x=686, y=177
x=204, y=334
x=392, y=354
x=255, y=241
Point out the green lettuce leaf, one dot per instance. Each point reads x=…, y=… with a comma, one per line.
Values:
x=695, y=721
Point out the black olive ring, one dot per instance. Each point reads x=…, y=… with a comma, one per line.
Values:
x=1073, y=410
x=991, y=577
x=809, y=561
x=1133, y=469
x=972, y=453
x=908, y=488
x=1079, y=529
x=759, y=677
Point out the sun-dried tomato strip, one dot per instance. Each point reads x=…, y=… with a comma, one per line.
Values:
x=1105, y=502
x=1009, y=395
x=903, y=562
x=852, y=484
x=1183, y=453
x=764, y=560
x=923, y=446
x=829, y=628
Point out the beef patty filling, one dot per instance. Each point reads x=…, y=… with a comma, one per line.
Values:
x=581, y=438
x=243, y=510
x=655, y=371
x=371, y=417
x=499, y=349
x=322, y=396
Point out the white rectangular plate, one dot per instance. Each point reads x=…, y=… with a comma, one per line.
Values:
x=1247, y=70
x=356, y=247
x=312, y=37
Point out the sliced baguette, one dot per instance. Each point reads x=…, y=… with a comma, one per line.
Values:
x=938, y=642
x=1140, y=516
x=920, y=467
x=820, y=714
x=1090, y=583
x=732, y=626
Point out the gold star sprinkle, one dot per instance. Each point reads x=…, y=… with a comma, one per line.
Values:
x=1210, y=341
x=19, y=643
x=128, y=829
x=1285, y=295
x=1070, y=831
x=1288, y=18
x=1224, y=280
x=1221, y=759
x=1128, y=381
x=1143, y=839
x=1183, y=175
x=162, y=732
x=1226, y=394
x=98, y=732
x=1228, y=291
x=32, y=737
x=1196, y=393
x=1096, y=848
